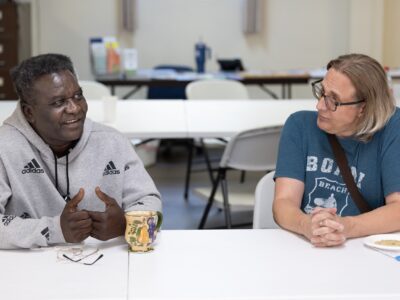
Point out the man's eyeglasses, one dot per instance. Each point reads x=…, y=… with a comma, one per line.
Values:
x=330, y=102
x=83, y=255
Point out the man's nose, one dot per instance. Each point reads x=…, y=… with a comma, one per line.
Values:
x=72, y=106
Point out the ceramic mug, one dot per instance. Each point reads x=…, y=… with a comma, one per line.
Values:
x=141, y=229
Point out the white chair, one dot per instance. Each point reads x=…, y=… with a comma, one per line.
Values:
x=94, y=90
x=211, y=89
x=250, y=150
x=216, y=89
x=265, y=192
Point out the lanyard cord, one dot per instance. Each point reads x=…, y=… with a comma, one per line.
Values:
x=67, y=196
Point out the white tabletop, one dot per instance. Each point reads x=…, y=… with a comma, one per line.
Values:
x=36, y=274
x=224, y=118
x=259, y=264
x=134, y=118
x=151, y=118
x=189, y=119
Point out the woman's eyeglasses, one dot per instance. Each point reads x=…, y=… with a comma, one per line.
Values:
x=330, y=102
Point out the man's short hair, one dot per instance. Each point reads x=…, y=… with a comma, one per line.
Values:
x=27, y=72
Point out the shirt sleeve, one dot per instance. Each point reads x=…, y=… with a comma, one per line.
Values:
x=291, y=156
x=139, y=190
x=390, y=156
x=19, y=232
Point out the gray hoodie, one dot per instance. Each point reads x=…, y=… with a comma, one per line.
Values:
x=30, y=202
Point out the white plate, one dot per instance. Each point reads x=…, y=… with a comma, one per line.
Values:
x=370, y=241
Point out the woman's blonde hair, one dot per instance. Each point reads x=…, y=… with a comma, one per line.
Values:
x=370, y=82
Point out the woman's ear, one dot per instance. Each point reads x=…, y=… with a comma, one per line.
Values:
x=362, y=109
x=27, y=111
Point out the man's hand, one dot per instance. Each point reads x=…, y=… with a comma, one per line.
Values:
x=110, y=223
x=75, y=225
x=327, y=228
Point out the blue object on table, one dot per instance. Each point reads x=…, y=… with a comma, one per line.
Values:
x=202, y=54
x=387, y=253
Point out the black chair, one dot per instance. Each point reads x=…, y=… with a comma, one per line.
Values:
x=230, y=65
x=166, y=92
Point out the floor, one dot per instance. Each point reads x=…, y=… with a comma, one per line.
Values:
x=169, y=175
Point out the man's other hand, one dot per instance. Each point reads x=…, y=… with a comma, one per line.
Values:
x=110, y=223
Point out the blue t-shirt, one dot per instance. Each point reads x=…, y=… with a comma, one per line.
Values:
x=305, y=154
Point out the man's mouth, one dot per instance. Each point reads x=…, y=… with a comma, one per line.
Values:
x=72, y=121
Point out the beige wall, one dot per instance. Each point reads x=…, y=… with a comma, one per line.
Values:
x=294, y=33
x=391, y=38
x=366, y=27
x=65, y=27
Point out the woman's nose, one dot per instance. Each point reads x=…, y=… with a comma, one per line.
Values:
x=320, y=104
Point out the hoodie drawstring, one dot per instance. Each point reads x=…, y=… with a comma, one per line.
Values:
x=67, y=196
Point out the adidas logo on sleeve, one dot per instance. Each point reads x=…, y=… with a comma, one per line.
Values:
x=32, y=167
x=110, y=169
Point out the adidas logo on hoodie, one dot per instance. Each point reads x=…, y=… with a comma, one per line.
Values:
x=110, y=169
x=32, y=167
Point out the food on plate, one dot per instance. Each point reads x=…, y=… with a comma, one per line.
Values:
x=393, y=243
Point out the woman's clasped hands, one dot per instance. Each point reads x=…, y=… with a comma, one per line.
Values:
x=327, y=228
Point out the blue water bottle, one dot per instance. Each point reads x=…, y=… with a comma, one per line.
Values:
x=202, y=54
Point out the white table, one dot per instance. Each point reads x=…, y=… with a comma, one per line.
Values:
x=151, y=119
x=134, y=118
x=225, y=118
x=206, y=264
x=37, y=275
x=259, y=264
x=189, y=119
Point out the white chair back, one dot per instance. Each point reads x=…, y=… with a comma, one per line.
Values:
x=216, y=89
x=265, y=192
x=252, y=150
x=93, y=90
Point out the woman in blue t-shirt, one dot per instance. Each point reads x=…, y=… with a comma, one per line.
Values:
x=356, y=105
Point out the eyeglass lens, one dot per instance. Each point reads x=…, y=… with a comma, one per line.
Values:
x=318, y=92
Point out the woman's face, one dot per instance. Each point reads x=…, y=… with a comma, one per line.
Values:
x=344, y=120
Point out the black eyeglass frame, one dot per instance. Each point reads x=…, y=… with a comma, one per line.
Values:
x=78, y=255
x=336, y=103
x=78, y=260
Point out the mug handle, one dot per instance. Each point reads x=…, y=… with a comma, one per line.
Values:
x=159, y=220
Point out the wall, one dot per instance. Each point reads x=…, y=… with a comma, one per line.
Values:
x=294, y=33
x=65, y=27
x=366, y=27
x=391, y=39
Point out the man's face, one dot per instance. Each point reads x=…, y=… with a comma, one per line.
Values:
x=57, y=110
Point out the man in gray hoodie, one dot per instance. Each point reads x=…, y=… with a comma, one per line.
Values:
x=63, y=177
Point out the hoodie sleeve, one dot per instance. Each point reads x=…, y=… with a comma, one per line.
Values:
x=139, y=190
x=19, y=232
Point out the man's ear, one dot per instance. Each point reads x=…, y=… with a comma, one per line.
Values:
x=27, y=111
